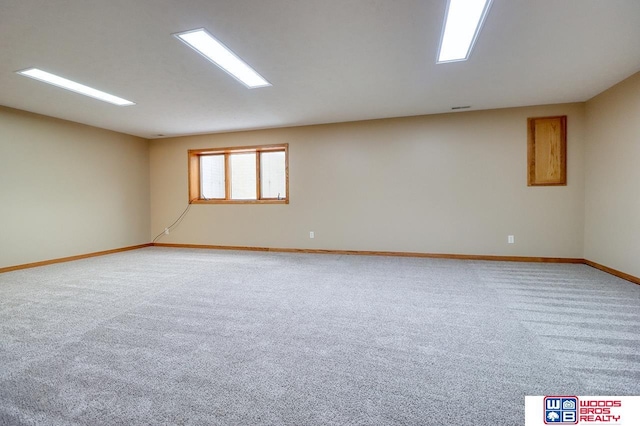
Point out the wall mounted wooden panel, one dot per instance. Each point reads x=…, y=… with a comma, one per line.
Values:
x=547, y=151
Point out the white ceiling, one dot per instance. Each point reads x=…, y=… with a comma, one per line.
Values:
x=328, y=60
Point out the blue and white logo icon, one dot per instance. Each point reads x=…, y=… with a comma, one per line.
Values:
x=561, y=410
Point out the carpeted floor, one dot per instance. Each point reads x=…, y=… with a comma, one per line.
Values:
x=175, y=336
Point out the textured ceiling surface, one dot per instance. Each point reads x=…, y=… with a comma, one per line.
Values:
x=328, y=61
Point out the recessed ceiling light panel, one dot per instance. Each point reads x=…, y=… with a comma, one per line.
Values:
x=463, y=22
x=64, y=83
x=208, y=46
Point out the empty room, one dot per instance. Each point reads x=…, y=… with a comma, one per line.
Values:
x=361, y=212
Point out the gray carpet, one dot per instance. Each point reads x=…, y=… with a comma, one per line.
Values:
x=170, y=336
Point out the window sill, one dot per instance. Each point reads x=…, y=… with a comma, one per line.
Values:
x=240, y=202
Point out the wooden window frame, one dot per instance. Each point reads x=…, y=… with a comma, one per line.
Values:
x=194, y=155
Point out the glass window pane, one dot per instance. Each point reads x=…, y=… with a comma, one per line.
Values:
x=243, y=176
x=273, y=179
x=212, y=176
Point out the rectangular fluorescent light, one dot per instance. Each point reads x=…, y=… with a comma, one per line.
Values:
x=55, y=80
x=464, y=19
x=205, y=44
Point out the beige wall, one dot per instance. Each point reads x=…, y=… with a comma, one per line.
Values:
x=612, y=198
x=451, y=183
x=68, y=189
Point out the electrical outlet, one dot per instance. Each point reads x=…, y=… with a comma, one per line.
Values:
x=166, y=231
x=511, y=239
x=312, y=234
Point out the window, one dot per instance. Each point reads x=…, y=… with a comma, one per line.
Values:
x=255, y=174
